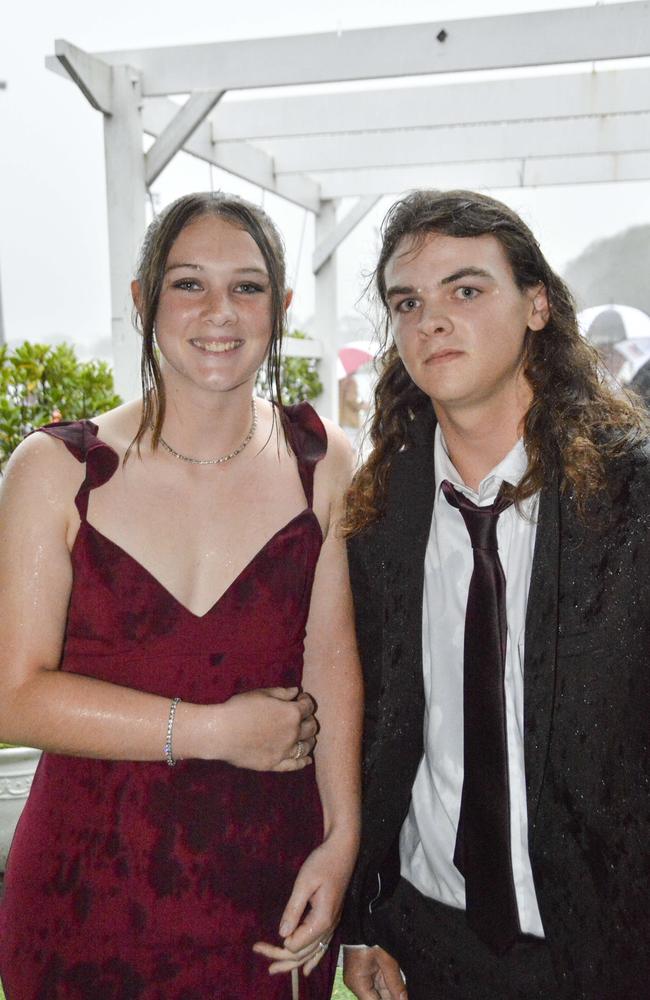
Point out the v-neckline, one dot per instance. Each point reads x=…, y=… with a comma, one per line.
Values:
x=245, y=569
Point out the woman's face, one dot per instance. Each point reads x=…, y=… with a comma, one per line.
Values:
x=214, y=317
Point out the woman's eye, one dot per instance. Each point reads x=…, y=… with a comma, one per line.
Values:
x=465, y=292
x=249, y=288
x=186, y=284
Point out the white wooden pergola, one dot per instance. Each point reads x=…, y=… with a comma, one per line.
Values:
x=558, y=127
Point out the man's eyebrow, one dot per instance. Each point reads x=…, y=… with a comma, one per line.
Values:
x=399, y=290
x=463, y=272
x=466, y=272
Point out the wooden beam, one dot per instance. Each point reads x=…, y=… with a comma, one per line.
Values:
x=540, y=172
x=503, y=141
x=587, y=169
x=567, y=95
x=295, y=347
x=579, y=34
x=93, y=76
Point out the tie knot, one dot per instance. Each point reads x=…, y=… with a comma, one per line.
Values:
x=481, y=522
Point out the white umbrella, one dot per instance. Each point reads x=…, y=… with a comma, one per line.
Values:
x=634, y=322
x=624, y=329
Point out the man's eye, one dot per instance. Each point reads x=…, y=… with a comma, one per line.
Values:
x=407, y=305
x=465, y=292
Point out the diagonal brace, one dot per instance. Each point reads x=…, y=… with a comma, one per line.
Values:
x=178, y=131
x=343, y=228
x=243, y=159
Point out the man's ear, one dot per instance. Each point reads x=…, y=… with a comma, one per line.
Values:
x=540, y=313
x=288, y=298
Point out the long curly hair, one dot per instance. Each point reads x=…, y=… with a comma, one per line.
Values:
x=159, y=238
x=575, y=423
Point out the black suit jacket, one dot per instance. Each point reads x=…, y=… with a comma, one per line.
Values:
x=586, y=708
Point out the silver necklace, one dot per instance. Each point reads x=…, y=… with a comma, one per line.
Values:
x=222, y=458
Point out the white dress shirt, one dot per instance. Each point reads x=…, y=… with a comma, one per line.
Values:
x=428, y=835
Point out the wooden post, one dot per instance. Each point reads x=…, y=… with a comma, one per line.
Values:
x=125, y=192
x=326, y=320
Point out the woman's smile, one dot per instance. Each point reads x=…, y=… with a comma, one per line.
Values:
x=216, y=346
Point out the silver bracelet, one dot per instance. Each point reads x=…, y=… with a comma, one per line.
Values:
x=167, y=749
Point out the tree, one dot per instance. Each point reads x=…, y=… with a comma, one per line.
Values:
x=613, y=270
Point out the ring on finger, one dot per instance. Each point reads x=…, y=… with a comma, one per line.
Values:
x=300, y=750
x=323, y=946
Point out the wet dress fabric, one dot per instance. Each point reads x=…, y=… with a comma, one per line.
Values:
x=135, y=880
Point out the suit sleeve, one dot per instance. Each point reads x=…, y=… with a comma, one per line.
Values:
x=366, y=590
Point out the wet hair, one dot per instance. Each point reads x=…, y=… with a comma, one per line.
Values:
x=159, y=238
x=576, y=421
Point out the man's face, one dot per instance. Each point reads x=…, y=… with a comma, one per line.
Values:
x=459, y=319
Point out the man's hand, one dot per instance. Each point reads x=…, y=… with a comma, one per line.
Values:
x=373, y=974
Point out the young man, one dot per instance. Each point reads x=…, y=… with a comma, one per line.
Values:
x=500, y=557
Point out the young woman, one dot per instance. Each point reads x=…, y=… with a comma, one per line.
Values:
x=172, y=584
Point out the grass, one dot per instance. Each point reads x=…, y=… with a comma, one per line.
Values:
x=339, y=992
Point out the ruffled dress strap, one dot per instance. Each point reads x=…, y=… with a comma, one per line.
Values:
x=308, y=440
x=80, y=438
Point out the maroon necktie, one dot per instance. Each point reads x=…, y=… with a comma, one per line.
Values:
x=482, y=852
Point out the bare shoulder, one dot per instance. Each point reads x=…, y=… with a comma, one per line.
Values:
x=38, y=488
x=341, y=458
x=42, y=460
x=333, y=476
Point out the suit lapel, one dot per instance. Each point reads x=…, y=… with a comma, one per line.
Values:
x=411, y=496
x=540, y=648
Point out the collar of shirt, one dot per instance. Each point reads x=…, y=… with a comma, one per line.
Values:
x=510, y=469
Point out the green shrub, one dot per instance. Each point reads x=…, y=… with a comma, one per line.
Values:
x=298, y=377
x=39, y=383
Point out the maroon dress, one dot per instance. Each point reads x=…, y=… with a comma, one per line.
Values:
x=138, y=881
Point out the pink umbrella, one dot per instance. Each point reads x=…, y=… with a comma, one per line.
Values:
x=353, y=356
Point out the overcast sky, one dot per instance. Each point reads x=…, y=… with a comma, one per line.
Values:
x=53, y=241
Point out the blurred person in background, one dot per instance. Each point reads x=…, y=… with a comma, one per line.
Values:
x=641, y=383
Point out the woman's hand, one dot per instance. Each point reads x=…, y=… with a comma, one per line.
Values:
x=314, y=909
x=269, y=729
